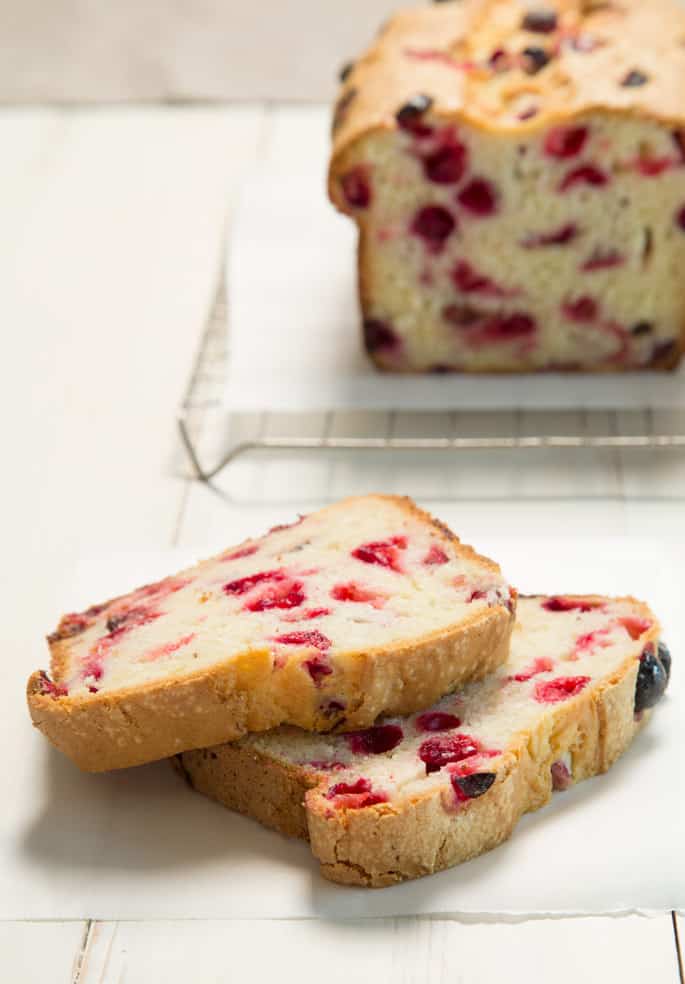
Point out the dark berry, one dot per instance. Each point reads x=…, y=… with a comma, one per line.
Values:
x=433, y=224
x=680, y=218
x=409, y=115
x=375, y=741
x=651, y=681
x=634, y=79
x=565, y=141
x=379, y=335
x=345, y=71
x=479, y=197
x=509, y=327
x=469, y=787
x=581, y=310
x=663, y=351
x=642, y=328
x=356, y=187
x=541, y=21
x=664, y=655
x=561, y=777
x=461, y=315
x=437, y=721
x=585, y=174
x=534, y=60
x=437, y=752
x=446, y=165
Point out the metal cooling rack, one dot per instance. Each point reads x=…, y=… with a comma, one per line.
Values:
x=600, y=429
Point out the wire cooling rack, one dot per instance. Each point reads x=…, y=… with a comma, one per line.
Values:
x=377, y=431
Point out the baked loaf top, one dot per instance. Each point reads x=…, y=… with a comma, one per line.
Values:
x=412, y=795
x=486, y=60
x=327, y=621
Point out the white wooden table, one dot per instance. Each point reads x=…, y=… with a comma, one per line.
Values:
x=111, y=228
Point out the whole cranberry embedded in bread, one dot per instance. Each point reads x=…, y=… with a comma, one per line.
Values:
x=356, y=187
x=433, y=224
x=564, y=142
x=479, y=197
x=447, y=164
x=356, y=795
x=384, y=553
x=375, y=741
x=585, y=174
x=436, y=721
x=562, y=688
x=438, y=752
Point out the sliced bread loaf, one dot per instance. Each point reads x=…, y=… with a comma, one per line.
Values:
x=413, y=795
x=367, y=607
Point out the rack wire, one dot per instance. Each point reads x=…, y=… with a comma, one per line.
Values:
x=203, y=398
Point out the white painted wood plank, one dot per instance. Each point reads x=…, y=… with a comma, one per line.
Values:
x=631, y=950
x=40, y=952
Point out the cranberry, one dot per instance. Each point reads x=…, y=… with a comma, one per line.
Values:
x=469, y=787
x=356, y=187
x=479, y=197
x=447, y=164
x=437, y=752
x=509, y=327
x=313, y=638
x=664, y=655
x=351, y=591
x=558, y=237
x=635, y=626
x=634, y=78
x=680, y=218
x=582, y=309
x=534, y=60
x=317, y=668
x=561, y=777
x=433, y=224
x=121, y=622
x=564, y=142
x=651, y=682
x=652, y=167
x=541, y=665
x=587, y=174
x=244, y=584
x=559, y=603
x=375, y=741
x=664, y=351
x=288, y=594
x=542, y=21
x=241, y=552
x=603, y=260
x=379, y=335
x=409, y=116
x=50, y=688
x=92, y=667
x=355, y=795
x=554, y=691
x=435, y=556
x=437, y=721
x=384, y=553
x=467, y=280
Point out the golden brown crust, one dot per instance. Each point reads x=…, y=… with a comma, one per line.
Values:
x=452, y=41
x=381, y=845
x=158, y=719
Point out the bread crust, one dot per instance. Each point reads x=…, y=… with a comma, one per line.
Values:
x=381, y=845
x=158, y=719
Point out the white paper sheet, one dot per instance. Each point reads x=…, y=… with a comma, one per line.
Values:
x=294, y=324
x=139, y=844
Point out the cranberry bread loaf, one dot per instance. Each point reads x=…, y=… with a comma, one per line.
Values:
x=411, y=796
x=366, y=607
x=517, y=173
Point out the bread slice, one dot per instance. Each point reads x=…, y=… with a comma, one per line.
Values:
x=411, y=796
x=367, y=607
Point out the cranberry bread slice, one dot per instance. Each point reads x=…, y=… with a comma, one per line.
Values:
x=411, y=796
x=367, y=607
x=517, y=174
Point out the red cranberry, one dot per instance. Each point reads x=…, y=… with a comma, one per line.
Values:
x=244, y=584
x=509, y=327
x=680, y=218
x=603, y=260
x=558, y=237
x=50, y=688
x=375, y=741
x=564, y=142
x=585, y=174
x=437, y=721
x=581, y=310
x=541, y=665
x=356, y=795
x=446, y=165
x=385, y=553
x=559, y=603
x=479, y=197
x=121, y=622
x=561, y=777
x=467, y=280
x=542, y=21
x=351, y=591
x=288, y=594
x=379, y=335
x=435, y=556
x=652, y=167
x=469, y=787
x=437, y=752
x=356, y=187
x=635, y=626
x=554, y=691
x=312, y=638
x=433, y=224
x=317, y=668
x=409, y=116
